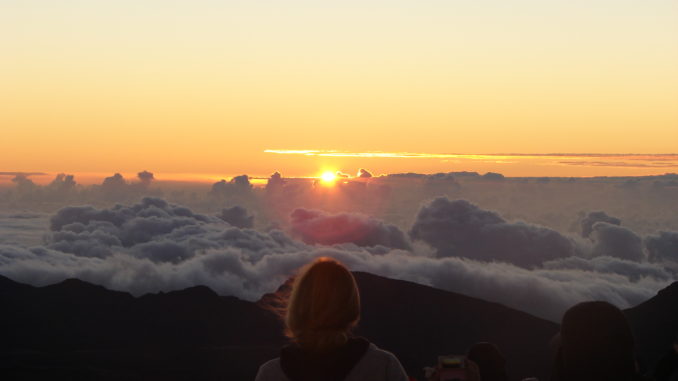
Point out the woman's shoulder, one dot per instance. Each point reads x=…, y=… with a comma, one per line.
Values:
x=373, y=365
x=375, y=352
x=378, y=364
x=270, y=370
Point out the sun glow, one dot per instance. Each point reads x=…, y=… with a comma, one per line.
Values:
x=328, y=178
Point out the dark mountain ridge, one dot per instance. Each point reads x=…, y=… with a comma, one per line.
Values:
x=655, y=325
x=77, y=330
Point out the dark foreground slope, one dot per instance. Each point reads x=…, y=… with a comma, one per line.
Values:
x=79, y=331
x=655, y=324
x=419, y=323
x=76, y=330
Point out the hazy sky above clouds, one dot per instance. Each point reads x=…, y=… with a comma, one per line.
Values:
x=207, y=86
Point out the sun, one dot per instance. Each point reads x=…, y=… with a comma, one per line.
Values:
x=328, y=178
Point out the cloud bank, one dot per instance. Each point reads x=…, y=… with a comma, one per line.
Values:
x=155, y=245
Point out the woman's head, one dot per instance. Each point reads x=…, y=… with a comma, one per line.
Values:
x=596, y=343
x=324, y=305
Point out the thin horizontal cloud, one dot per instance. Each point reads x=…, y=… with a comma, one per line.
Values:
x=622, y=164
x=578, y=159
x=22, y=174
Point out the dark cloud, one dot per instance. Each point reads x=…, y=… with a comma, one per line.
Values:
x=237, y=216
x=63, y=183
x=492, y=176
x=407, y=175
x=441, y=177
x=275, y=182
x=114, y=183
x=23, y=183
x=616, y=241
x=465, y=174
x=220, y=187
x=364, y=173
x=587, y=222
x=317, y=227
x=242, y=181
x=461, y=229
x=145, y=177
x=237, y=186
x=662, y=247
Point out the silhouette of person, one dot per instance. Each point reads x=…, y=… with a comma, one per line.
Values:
x=490, y=361
x=323, y=308
x=596, y=343
x=667, y=367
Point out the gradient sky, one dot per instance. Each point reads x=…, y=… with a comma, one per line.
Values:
x=206, y=86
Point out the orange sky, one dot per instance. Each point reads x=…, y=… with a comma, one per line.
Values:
x=204, y=87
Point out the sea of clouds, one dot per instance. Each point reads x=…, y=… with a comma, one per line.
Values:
x=538, y=245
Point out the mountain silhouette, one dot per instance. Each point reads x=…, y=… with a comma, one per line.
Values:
x=655, y=325
x=76, y=330
x=418, y=323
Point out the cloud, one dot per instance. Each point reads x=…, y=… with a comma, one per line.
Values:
x=441, y=177
x=610, y=265
x=662, y=247
x=113, y=183
x=145, y=177
x=23, y=183
x=237, y=216
x=25, y=174
x=87, y=231
x=461, y=229
x=154, y=229
x=317, y=227
x=22, y=228
x=493, y=176
x=616, y=241
x=238, y=184
x=275, y=182
x=364, y=173
x=593, y=217
x=63, y=183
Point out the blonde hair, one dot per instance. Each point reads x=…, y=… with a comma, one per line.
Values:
x=324, y=305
